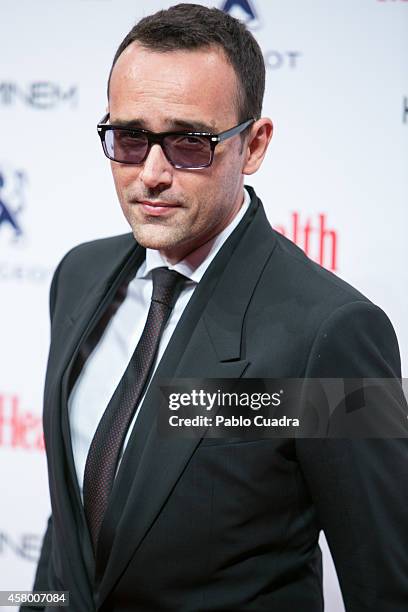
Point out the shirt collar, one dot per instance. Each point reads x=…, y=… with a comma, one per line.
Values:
x=195, y=264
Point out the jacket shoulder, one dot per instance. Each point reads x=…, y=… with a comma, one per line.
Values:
x=87, y=264
x=330, y=323
x=300, y=275
x=96, y=252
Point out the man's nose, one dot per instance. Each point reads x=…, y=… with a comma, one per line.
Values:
x=156, y=169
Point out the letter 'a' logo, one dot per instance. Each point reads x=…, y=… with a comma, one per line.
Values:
x=243, y=10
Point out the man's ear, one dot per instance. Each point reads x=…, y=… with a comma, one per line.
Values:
x=258, y=140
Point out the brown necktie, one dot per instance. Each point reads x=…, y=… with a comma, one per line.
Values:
x=104, y=452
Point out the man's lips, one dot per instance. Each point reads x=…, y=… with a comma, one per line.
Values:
x=158, y=207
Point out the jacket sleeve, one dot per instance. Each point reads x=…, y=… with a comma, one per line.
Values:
x=41, y=576
x=359, y=485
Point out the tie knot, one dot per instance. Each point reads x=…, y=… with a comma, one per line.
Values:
x=167, y=285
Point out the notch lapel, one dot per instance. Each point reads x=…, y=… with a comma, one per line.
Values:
x=67, y=338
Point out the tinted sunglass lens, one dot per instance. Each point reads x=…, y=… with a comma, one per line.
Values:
x=124, y=146
x=187, y=151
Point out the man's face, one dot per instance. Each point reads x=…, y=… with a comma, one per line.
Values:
x=170, y=209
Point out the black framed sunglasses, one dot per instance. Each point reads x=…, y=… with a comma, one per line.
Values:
x=187, y=150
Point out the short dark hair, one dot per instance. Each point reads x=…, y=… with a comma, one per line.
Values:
x=193, y=26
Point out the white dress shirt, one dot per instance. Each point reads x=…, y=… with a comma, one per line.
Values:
x=105, y=366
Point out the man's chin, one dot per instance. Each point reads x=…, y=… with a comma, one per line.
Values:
x=158, y=242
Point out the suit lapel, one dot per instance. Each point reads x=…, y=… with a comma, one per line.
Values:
x=68, y=337
x=205, y=344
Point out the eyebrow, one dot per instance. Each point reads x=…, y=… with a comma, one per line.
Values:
x=172, y=124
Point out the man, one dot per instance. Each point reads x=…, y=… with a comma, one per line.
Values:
x=147, y=522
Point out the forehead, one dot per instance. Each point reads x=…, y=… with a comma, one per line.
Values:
x=156, y=87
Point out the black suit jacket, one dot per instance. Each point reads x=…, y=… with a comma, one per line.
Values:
x=215, y=524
